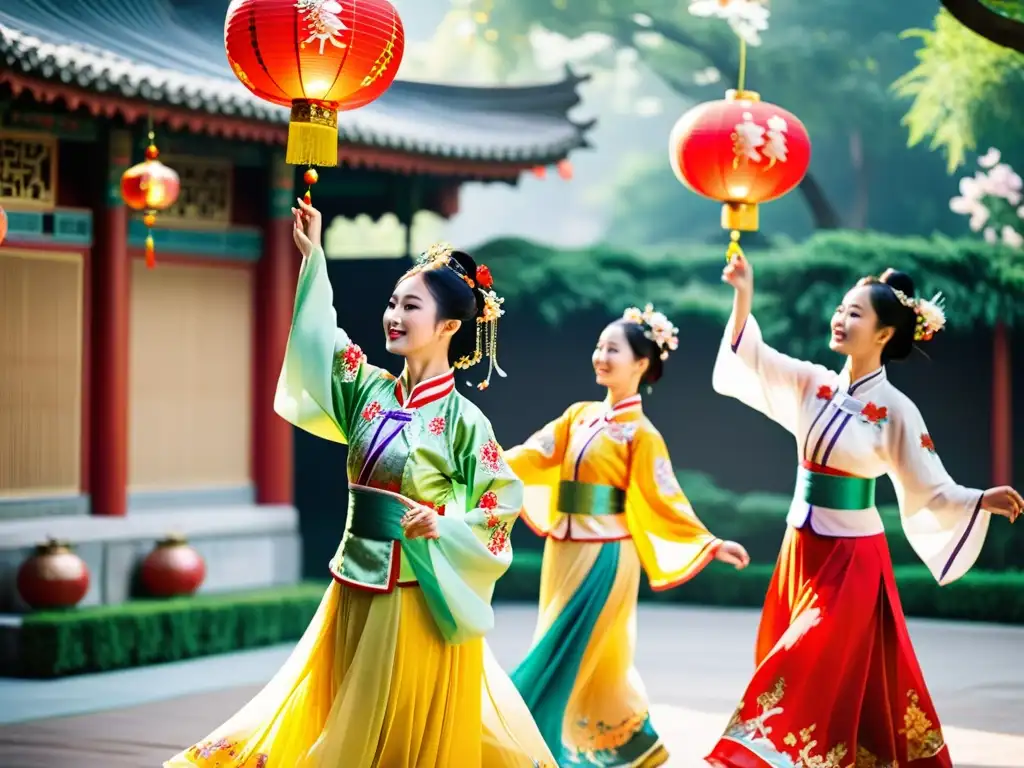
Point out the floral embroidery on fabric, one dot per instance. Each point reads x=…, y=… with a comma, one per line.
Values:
x=347, y=362
x=602, y=739
x=543, y=442
x=497, y=542
x=488, y=501
x=620, y=433
x=436, y=425
x=804, y=750
x=927, y=443
x=923, y=740
x=490, y=457
x=222, y=750
x=372, y=411
x=825, y=392
x=873, y=414
x=866, y=759
x=665, y=478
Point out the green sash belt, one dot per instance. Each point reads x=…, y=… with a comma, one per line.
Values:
x=375, y=516
x=575, y=498
x=834, y=491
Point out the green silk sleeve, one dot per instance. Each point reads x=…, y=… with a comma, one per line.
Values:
x=323, y=372
x=458, y=570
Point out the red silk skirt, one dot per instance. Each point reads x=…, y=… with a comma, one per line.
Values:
x=837, y=683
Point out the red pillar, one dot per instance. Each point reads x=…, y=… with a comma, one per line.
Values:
x=276, y=274
x=111, y=285
x=1002, y=408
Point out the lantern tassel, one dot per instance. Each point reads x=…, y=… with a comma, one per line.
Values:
x=734, y=249
x=150, y=251
x=312, y=135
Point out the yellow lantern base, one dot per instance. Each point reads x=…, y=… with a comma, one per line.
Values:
x=312, y=134
x=740, y=216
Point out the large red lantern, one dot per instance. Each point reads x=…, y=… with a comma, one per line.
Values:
x=150, y=186
x=741, y=151
x=318, y=57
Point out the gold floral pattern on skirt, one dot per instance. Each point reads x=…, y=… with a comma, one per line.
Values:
x=923, y=740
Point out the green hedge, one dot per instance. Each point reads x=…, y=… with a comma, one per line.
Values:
x=799, y=284
x=978, y=596
x=57, y=643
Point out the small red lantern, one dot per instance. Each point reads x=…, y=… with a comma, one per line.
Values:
x=3, y=225
x=318, y=57
x=54, y=577
x=173, y=568
x=741, y=151
x=565, y=169
x=150, y=186
x=539, y=171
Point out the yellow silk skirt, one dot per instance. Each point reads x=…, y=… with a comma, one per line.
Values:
x=607, y=719
x=372, y=684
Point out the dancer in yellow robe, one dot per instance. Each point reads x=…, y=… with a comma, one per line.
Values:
x=393, y=671
x=600, y=487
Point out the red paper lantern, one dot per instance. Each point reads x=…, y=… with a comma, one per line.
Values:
x=173, y=568
x=3, y=225
x=741, y=151
x=150, y=186
x=565, y=169
x=54, y=577
x=318, y=57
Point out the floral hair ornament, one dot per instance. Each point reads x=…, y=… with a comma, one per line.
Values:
x=440, y=255
x=657, y=328
x=931, y=313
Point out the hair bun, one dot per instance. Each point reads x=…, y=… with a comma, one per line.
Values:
x=467, y=262
x=899, y=281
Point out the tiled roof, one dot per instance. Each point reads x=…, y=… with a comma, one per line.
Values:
x=172, y=53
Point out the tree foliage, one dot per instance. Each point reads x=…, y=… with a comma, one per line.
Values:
x=798, y=285
x=965, y=89
x=831, y=62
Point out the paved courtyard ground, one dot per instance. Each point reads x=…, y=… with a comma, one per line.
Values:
x=694, y=661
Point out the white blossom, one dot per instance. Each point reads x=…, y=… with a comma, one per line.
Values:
x=1012, y=237
x=747, y=18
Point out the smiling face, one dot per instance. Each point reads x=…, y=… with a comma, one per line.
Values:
x=615, y=365
x=411, y=328
x=855, y=329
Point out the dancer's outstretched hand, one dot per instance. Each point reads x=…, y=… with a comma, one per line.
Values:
x=739, y=274
x=734, y=554
x=1004, y=501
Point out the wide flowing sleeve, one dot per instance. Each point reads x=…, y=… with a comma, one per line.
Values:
x=673, y=544
x=538, y=463
x=763, y=378
x=943, y=521
x=458, y=570
x=324, y=372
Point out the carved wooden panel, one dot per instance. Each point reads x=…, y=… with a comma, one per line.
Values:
x=28, y=169
x=206, y=191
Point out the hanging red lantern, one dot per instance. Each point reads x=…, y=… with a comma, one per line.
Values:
x=54, y=577
x=741, y=151
x=318, y=57
x=565, y=169
x=3, y=225
x=539, y=171
x=173, y=568
x=150, y=186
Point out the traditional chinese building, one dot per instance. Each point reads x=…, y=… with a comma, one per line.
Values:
x=135, y=402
